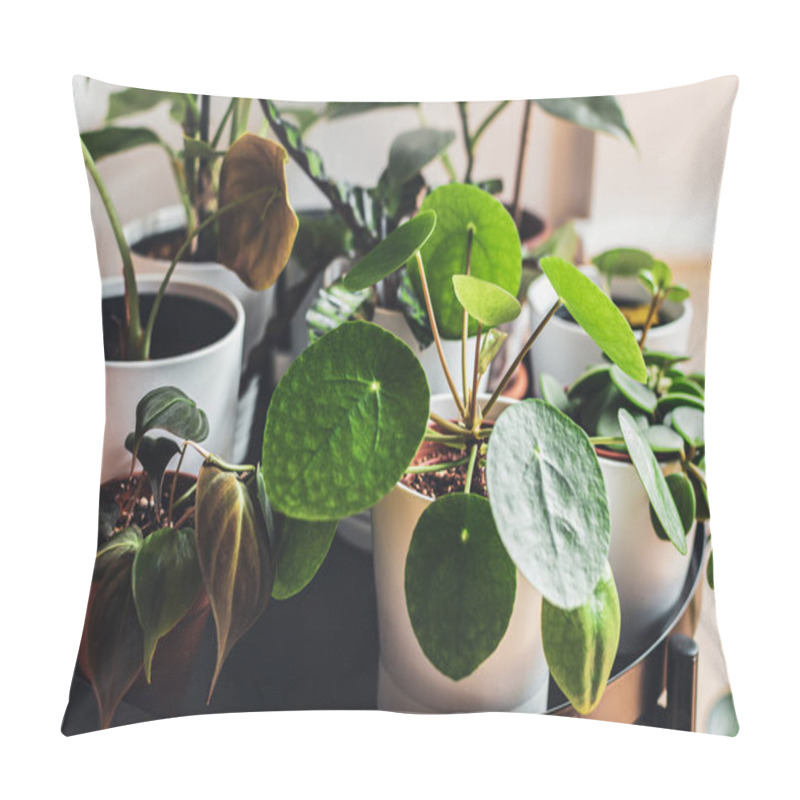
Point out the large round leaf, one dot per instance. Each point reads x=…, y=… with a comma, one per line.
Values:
x=344, y=423
x=580, y=645
x=304, y=546
x=397, y=248
x=549, y=501
x=596, y=314
x=484, y=301
x=496, y=254
x=460, y=584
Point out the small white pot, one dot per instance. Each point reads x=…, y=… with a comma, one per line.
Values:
x=564, y=351
x=649, y=572
x=257, y=305
x=514, y=677
x=209, y=376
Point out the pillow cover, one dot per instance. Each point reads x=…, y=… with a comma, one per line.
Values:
x=433, y=443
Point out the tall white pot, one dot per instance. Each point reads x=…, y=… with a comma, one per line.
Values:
x=514, y=677
x=564, y=351
x=649, y=572
x=257, y=305
x=210, y=376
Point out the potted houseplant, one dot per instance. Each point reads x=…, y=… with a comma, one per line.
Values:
x=160, y=331
x=651, y=448
x=156, y=238
x=345, y=425
x=643, y=287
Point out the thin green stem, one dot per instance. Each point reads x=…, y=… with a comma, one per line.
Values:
x=216, y=461
x=439, y=466
x=465, y=320
x=696, y=472
x=186, y=495
x=518, y=360
x=453, y=427
x=436, y=339
x=474, y=421
x=230, y=110
x=473, y=454
x=521, y=157
x=133, y=321
x=658, y=299
x=183, y=193
x=459, y=440
x=462, y=111
x=487, y=121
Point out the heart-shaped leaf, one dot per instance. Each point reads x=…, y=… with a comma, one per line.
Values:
x=637, y=393
x=233, y=553
x=496, y=253
x=168, y=408
x=653, y=481
x=626, y=261
x=112, y=639
x=601, y=113
x=397, y=248
x=683, y=496
x=344, y=423
x=166, y=580
x=304, y=546
x=689, y=424
x=112, y=140
x=256, y=234
x=597, y=315
x=413, y=150
x=549, y=501
x=580, y=645
x=491, y=305
x=154, y=454
x=460, y=584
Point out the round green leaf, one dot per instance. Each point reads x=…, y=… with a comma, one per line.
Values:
x=580, y=645
x=553, y=393
x=662, y=360
x=689, y=424
x=682, y=493
x=684, y=385
x=460, y=584
x=663, y=440
x=344, y=423
x=496, y=254
x=549, y=501
x=653, y=481
x=166, y=580
x=489, y=304
x=640, y=395
x=304, y=546
x=673, y=400
x=626, y=261
x=397, y=248
x=662, y=274
x=593, y=380
x=596, y=314
x=677, y=294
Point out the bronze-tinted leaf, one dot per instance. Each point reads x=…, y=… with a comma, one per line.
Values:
x=233, y=553
x=256, y=235
x=111, y=648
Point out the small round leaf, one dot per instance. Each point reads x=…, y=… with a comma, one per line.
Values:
x=626, y=261
x=689, y=424
x=491, y=305
x=640, y=395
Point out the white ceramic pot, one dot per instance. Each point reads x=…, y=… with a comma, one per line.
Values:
x=257, y=305
x=564, y=351
x=210, y=376
x=514, y=677
x=649, y=572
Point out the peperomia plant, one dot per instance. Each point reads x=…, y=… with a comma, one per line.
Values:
x=350, y=414
x=257, y=227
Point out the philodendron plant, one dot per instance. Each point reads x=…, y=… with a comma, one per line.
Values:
x=349, y=416
x=654, y=275
x=257, y=227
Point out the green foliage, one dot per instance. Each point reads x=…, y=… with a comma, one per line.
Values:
x=682, y=493
x=624, y=261
x=335, y=305
x=600, y=113
x=491, y=305
x=169, y=409
x=303, y=548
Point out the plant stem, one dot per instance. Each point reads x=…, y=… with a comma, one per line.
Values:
x=439, y=466
x=690, y=467
x=658, y=298
x=230, y=110
x=186, y=495
x=518, y=360
x=465, y=321
x=523, y=150
x=473, y=411
x=218, y=462
x=472, y=456
x=447, y=424
x=462, y=111
x=133, y=321
x=188, y=513
x=175, y=482
x=459, y=440
x=487, y=120
x=436, y=339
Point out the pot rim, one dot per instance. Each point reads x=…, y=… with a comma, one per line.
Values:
x=619, y=459
x=483, y=396
x=114, y=286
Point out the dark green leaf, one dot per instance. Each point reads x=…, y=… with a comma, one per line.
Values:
x=320, y=239
x=549, y=501
x=683, y=496
x=673, y=400
x=703, y=512
x=197, y=148
x=109, y=141
x=710, y=570
x=592, y=381
x=107, y=516
x=338, y=110
x=166, y=580
x=580, y=645
x=334, y=306
x=391, y=253
x=415, y=312
x=168, y=408
x=597, y=315
x=653, y=481
x=154, y=454
x=626, y=261
x=689, y=424
x=266, y=507
x=554, y=394
x=595, y=113
x=662, y=360
x=496, y=254
x=304, y=546
x=135, y=101
x=684, y=385
x=637, y=393
x=344, y=423
x=413, y=150
x=233, y=552
x=460, y=584
x=486, y=302
x=492, y=186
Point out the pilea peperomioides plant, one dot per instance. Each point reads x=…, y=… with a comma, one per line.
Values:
x=350, y=414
